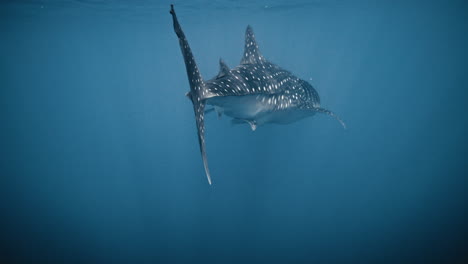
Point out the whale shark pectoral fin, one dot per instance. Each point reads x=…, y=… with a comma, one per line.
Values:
x=238, y=121
x=330, y=113
x=251, y=52
x=253, y=125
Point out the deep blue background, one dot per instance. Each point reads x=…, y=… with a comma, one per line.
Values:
x=100, y=160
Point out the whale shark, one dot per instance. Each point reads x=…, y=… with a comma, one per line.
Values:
x=256, y=92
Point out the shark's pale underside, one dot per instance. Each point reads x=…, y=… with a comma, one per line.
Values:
x=256, y=92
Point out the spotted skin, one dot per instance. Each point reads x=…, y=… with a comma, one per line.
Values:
x=256, y=92
x=197, y=89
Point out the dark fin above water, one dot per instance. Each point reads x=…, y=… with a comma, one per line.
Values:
x=330, y=113
x=223, y=69
x=197, y=88
x=251, y=53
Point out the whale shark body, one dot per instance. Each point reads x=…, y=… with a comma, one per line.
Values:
x=256, y=92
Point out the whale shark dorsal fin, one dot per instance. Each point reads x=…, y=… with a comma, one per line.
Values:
x=251, y=53
x=223, y=69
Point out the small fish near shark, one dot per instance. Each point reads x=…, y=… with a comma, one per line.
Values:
x=256, y=92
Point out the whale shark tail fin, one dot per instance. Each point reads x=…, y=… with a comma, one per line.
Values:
x=198, y=90
x=330, y=113
x=199, y=108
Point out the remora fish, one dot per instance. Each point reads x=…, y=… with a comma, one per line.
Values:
x=256, y=92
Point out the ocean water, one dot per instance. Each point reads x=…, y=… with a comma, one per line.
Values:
x=99, y=153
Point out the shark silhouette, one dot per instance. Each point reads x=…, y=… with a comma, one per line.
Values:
x=256, y=92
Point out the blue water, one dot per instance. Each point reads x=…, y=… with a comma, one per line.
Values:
x=100, y=160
